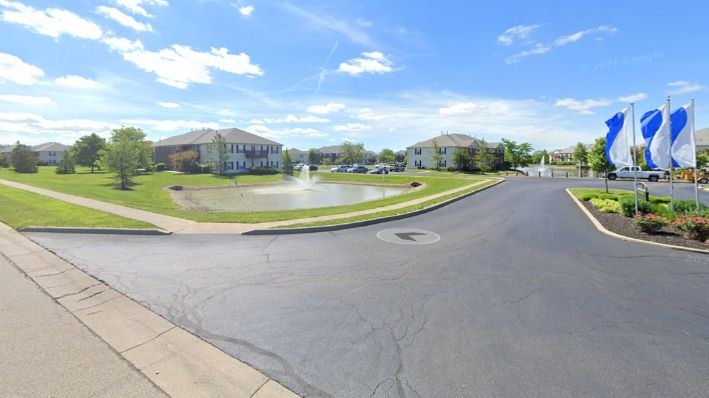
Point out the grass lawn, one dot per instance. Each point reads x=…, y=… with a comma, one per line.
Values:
x=392, y=212
x=20, y=209
x=148, y=193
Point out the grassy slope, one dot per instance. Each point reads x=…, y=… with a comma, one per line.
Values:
x=22, y=209
x=148, y=194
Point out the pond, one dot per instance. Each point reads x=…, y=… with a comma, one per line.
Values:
x=281, y=196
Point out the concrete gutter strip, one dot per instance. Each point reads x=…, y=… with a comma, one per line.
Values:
x=110, y=231
x=326, y=228
x=603, y=229
x=179, y=363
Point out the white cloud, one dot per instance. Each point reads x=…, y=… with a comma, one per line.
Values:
x=169, y=105
x=30, y=128
x=539, y=48
x=15, y=70
x=19, y=117
x=179, y=66
x=76, y=82
x=633, y=97
x=582, y=106
x=135, y=7
x=463, y=108
x=267, y=132
x=329, y=23
x=368, y=114
x=171, y=125
x=516, y=32
x=325, y=109
x=683, y=87
x=304, y=119
x=351, y=127
x=51, y=22
x=370, y=62
x=123, y=19
x=227, y=121
x=25, y=99
x=247, y=11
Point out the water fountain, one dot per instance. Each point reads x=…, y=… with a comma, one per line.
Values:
x=306, y=181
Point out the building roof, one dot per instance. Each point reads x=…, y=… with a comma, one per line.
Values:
x=6, y=148
x=199, y=137
x=453, y=140
x=296, y=151
x=569, y=149
x=50, y=147
x=330, y=149
x=701, y=137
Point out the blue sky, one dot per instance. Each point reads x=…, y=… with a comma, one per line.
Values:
x=308, y=74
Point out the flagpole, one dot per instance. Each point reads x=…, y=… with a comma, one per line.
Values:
x=635, y=159
x=669, y=146
x=694, y=139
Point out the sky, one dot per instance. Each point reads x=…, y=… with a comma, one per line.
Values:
x=315, y=73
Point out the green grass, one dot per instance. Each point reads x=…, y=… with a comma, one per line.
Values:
x=588, y=193
x=148, y=193
x=389, y=213
x=20, y=209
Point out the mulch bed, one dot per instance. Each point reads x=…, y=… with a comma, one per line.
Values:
x=621, y=225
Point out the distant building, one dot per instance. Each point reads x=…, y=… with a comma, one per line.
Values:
x=48, y=153
x=420, y=155
x=244, y=150
x=701, y=139
x=565, y=154
x=298, y=156
x=399, y=156
x=332, y=152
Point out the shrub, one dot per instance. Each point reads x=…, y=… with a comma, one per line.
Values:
x=23, y=159
x=608, y=196
x=259, y=171
x=606, y=205
x=660, y=199
x=587, y=196
x=452, y=169
x=66, y=164
x=693, y=226
x=627, y=206
x=649, y=223
x=204, y=169
x=686, y=206
x=160, y=166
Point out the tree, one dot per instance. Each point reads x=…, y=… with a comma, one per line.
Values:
x=524, y=156
x=461, y=157
x=580, y=155
x=538, y=155
x=313, y=156
x=483, y=158
x=4, y=161
x=598, y=161
x=517, y=155
x=352, y=152
x=183, y=161
x=67, y=163
x=87, y=150
x=23, y=159
x=702, y=159
x=387, y=156
x=218, y=147
x=125, y=154
x=143, y=147
x=287, y=164
x=436, y=155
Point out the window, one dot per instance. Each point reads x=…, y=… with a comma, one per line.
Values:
x=228, y=165
x=417, y=151
x=52, y=154
x=231, y=148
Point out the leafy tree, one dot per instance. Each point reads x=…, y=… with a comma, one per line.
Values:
x=598, y=161
x=517, y=155
x=525, y=154
x=436, y=156
x=287, y=164
x=183, y=161
x=4, y=161
x=483, y=158
x=387, y=156
x=67, y=163
x=702, y=159
x=580, y=154
x=313, y=156
x=23, y=159
x=538, y=155
x=125, y=154
x=372, y=158
x=218, y=147
x=352, y=152
x=87, y=150
x=143, y=147
x=461, y=157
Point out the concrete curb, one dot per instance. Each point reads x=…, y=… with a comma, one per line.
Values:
x=326, y=228
x=603, y=229
x=108, y=231
x=176, y=361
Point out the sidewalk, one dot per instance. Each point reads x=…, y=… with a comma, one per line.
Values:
x=46, y=352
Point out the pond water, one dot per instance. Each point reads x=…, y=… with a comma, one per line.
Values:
x=281, y=196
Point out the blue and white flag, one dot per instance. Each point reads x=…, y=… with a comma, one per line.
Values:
x=618, y=139
x=684, y=151
x=655, y=126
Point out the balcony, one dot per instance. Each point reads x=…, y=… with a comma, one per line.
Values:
x=252, y=153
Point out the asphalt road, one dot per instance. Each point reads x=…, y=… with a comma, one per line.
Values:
x=521, y=296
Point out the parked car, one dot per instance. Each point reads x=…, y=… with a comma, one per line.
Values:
x=312, y=167
x=396, y=166
x=358, y=169
x=629, y=172
x=298, y=167
x=379, y=170
x=339, y=169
